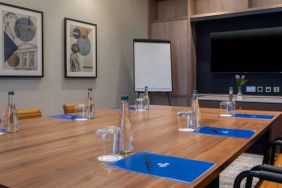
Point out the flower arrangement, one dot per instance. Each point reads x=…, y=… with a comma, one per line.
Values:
x=241, y=80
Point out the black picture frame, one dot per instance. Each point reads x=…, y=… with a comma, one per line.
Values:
x=27, y=68
x=67, y=49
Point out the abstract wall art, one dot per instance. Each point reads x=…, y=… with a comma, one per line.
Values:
x=21, y=42
x=80, y=49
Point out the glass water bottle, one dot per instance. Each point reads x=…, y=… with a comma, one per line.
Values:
x=11, y=124
x=231, y=98
x=147, y=99
x=196, y=117
x=126, y=131
x=90, y=105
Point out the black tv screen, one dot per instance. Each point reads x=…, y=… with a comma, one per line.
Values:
x=257, y=50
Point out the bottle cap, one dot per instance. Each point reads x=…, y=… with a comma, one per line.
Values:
x=195, y=91
x=124, y=98
x=230, y=90
x=89, y=89
x=11, y=93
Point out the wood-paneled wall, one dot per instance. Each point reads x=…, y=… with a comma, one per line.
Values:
x=209, y=6
x=170, y=20
x=176, y=32
x=265, y=3
x=171, y=9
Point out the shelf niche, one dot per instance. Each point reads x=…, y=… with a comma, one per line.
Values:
x=264, y=3
x=212, y=6
x=202, y=8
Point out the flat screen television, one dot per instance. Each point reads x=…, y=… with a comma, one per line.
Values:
x=257, y=50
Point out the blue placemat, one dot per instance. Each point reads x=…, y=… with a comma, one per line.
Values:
x=2, y=131
x=254, y=116
x=66, y=116
x=236, y=133
x=173, y=168
x=129, y=108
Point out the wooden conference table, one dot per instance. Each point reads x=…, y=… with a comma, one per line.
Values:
x=60, y=153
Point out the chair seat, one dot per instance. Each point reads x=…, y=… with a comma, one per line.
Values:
x=278, y=160
x=69, y=108
x=29, y=113
x=268, y=184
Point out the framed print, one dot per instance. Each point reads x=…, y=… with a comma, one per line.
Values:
x=21, y=42
x=80, y=49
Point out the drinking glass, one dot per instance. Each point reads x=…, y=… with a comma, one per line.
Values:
x=109, y=141
x=81, y=112
x=185, y=121
x=226, y=109
x=140, y=104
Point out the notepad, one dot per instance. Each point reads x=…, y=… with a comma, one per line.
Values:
x=66, y=116
x=253, y=116
x=235, y=133
x=168, y=167
x=2, y=132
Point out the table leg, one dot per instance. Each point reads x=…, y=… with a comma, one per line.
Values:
x=2, y=186
x=214, y=183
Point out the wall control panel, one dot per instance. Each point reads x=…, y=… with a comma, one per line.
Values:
x=268, y=89
x=259, y=89
x=263, y=89
x=276, y=89
x=251, y=89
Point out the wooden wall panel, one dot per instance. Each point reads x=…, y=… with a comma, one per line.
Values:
x=176, y=32
x=153, y=13
x=178, y=36
x=168, y=9
x=192, y=61
x=210, y=6
x=160, y=30
x=265, y=3
x=191, y=7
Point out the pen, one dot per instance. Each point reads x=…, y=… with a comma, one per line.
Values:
x=214, y=130
x=73, y=117
x=148, y=163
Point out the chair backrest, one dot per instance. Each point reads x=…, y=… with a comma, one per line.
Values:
x=69, y=108
x=29, y=113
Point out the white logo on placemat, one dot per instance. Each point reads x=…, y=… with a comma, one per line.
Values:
x=163, y=165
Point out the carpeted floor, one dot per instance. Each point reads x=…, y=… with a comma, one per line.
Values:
x=244, y=162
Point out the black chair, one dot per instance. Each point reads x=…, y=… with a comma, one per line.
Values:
x=273, y=154
x=3, y=186
x=265, y=172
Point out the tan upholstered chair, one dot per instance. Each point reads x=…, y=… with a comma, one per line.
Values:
x=29, y=113
x=69, y=108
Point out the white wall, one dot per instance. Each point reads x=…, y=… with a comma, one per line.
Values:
x=118, y=22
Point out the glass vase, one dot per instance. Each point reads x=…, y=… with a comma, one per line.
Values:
x=239, y=94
